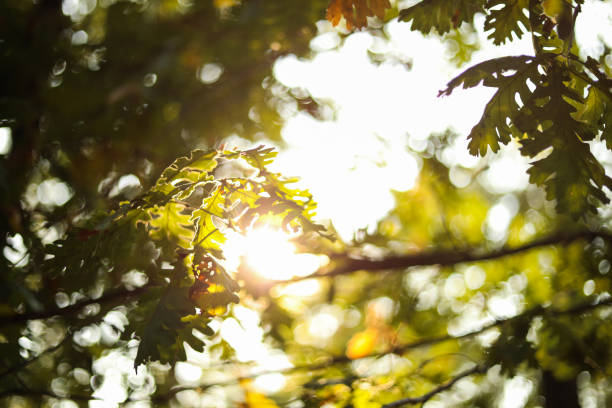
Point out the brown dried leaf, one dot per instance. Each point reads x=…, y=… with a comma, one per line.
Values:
x=356, y=12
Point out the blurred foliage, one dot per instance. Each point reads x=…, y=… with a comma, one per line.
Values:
x=114, y=283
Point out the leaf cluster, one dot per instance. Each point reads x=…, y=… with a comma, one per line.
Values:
x=188, y=210
x=553, y=104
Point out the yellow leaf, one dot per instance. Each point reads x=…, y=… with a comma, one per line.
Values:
x=362, y=343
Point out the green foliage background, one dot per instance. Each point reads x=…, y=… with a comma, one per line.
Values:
x=93, y=91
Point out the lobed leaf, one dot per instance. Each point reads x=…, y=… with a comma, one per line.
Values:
x=596, y=112
x=506, y=18
x=570, y=173
x=207, y=235
x=183, y=174
x=171, y=323
x=195, y=231
x=502, y=110
x=441, y=15
x=171, y=223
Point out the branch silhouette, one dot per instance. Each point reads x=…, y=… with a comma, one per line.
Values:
x=350, y=265
x=108, y=297
x=402, y=348
x=15, y=368
x=478, y=369
x=343, y=359
x=446, y=257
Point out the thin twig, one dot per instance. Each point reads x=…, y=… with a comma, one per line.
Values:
x=537, y=311
x=577, y=10
x=399, y=349
x=478, y=369
x=25, y=363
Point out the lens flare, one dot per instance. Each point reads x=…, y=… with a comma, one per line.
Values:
x=270, y=254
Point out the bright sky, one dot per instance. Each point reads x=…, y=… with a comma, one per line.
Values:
x=350, y=163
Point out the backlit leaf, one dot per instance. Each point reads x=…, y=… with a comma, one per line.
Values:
x=510, y=75
x=506, y=18
x=570, y=173
x=440, y=15
x=170, y=222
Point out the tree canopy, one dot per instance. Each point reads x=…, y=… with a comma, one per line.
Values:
x=118, y=194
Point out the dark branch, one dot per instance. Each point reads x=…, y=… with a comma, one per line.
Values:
x=537, y=311
x=533, y=23
x=108, y=297
x=343, y=359
x=13, y=369
x=43, y=393
x=443, y=258
x=479, y=369
x=446, y=257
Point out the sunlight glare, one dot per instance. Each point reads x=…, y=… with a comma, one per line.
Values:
x=270, y=254
x=6, y=141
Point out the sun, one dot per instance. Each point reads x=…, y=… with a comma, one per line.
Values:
x=270, y=254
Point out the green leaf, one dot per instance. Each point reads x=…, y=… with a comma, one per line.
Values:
x=502, y=110
x=505, y=18
x=189, y=168
x=159, y=336
x=440, y=15
x=170, y=324
x=511, y=349
x=207, y=234
x=570, y=173
x=596, y=112
x=593, y=108
x=180, y=178
x=259, y=157
x=171, y=222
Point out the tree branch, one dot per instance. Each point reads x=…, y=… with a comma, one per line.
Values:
x=25, y=363
x=108, y=297
x=446, y=257
x=426, y=258
x=402, y=348
x=43, y=393
x=533, y=24
x=479, y=369
x=342, y=359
